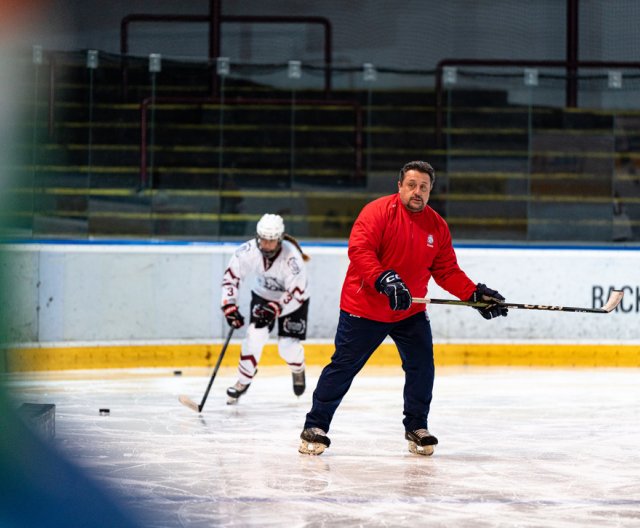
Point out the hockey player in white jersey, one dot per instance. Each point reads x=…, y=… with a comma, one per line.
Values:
x=279, y=295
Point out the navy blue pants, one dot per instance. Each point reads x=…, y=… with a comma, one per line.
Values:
x=356, y=339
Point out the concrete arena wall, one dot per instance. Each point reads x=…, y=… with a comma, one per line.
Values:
x=99, y=305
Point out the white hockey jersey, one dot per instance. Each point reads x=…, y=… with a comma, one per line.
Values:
x=285, y=282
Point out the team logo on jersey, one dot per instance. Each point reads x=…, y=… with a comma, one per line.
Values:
x=243, y=248
x=293, y=265
x=430, y=241
x=271, y=284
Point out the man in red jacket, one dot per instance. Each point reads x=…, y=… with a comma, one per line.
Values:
x=397, y=244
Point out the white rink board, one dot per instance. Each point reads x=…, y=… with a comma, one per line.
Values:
x=148, y=292
x=566, y=277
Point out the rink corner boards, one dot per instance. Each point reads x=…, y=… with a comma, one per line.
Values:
x=66, y=357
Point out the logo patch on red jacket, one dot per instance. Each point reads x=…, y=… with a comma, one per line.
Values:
x=430, y=241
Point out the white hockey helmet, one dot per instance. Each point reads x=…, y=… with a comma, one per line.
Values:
x=270, y=227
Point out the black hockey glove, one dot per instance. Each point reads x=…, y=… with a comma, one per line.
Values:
x=390, y=283
x=484, y=294
x=265, y=314
x=233, y=316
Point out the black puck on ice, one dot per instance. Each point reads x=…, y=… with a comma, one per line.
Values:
x=104, y=411
x=177, y=373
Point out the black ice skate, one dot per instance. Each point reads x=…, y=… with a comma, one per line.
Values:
x=421, y=442
x=299, y=383
x=235, y=392
x=314, y=441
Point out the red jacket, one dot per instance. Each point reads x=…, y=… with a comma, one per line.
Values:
x=416, y=245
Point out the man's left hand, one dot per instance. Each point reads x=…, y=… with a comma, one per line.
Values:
x=485, y=294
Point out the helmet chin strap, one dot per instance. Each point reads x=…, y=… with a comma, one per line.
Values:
x=269, y=254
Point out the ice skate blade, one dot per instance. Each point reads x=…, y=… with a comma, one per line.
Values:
x=420, y=450
x=299, y=383
x=311, y=448
x=232, y=401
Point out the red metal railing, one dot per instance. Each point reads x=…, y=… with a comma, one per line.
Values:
x=165, y=18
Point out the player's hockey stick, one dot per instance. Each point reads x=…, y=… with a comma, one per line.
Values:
x=612, y=302
x=185, y=400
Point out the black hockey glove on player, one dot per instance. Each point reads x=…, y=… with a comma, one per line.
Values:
x=390, y=283
x=233, y=316
x=484, y=294
x=265, y=314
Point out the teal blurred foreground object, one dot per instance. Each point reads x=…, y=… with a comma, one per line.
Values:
x=39, y=486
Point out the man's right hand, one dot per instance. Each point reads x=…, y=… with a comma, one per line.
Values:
x=233, y=316
x=390, y=283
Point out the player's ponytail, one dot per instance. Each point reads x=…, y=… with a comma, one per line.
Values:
x=288, y=237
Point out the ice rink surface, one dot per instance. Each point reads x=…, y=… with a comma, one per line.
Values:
x=518, y=447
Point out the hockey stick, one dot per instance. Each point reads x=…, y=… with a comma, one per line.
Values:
x=185, y=400
x=612, y=302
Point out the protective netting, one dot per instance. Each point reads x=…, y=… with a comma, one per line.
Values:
x=398, y=39
x=418, y=34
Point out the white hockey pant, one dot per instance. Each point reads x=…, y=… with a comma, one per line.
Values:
x=289, y=348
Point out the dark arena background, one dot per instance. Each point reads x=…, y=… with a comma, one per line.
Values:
x=141, y=142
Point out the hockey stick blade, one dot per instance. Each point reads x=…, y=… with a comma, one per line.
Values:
x=614, y=300
x=188, y=402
